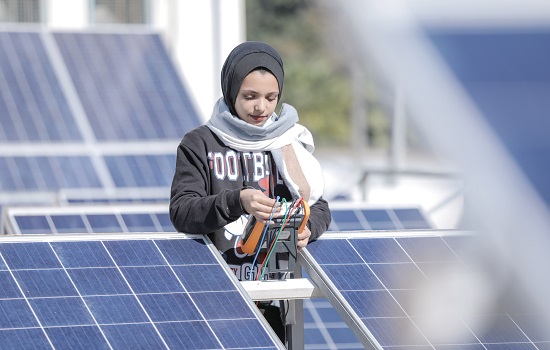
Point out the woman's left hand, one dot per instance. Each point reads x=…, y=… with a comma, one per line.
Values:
x=303, y=238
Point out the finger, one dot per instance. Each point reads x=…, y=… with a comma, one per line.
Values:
x=262, y=209
x=301, y=244
x=305, y=234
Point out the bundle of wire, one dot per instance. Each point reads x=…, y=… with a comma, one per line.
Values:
x=289, y=212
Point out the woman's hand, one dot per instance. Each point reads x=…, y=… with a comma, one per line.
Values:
x=303, y=238
x=256, y=203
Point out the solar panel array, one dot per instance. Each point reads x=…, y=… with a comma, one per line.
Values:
x=153, y=217
x=98, y=113
x=379, y=281
x=323, y=325
x=89, y=219
x=74, y=105
x=123, y=293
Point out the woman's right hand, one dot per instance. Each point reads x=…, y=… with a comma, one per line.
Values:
x=256, y=203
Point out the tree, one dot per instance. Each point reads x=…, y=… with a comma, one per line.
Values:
x=314, y=84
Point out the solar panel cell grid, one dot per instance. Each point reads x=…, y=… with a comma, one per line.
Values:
x=411, y=219
x=103, y=223
x=69, y=224
x=79, y=222
x=120, y=104
x=164, y=221
x=32, y=224
x=141, y=170
x=357, y=219
x=47, y=173
x=33, y=105
x=139, y=223
x=347, y=220
x=379, y=219
x=385, y=288
x=99, y=293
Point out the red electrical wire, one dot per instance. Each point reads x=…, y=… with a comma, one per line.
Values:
x=268, y=253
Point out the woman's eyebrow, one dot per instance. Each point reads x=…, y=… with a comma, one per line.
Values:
x=248, y=91
x=251, y=91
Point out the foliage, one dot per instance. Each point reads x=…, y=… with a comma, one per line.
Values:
x=317, y=87
x=317, y=71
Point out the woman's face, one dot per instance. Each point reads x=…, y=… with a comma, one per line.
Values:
x=257, y=97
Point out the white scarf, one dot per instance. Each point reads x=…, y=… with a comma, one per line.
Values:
x=290, y=144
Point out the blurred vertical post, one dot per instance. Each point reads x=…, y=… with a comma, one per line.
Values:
x=398, y=135
x=216, y=44
x=359, y=132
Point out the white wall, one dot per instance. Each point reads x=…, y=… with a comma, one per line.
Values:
x=196, y=40
x=202, y=45
x=67, y=14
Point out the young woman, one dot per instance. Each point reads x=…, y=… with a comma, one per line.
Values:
x=244, y=157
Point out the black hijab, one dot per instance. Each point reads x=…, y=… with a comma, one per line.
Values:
x=245, y=58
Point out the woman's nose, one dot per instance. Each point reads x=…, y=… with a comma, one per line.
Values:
x=259, y=107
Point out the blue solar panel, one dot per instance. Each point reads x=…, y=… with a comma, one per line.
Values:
x=64, y=224
x=33, y=106
x=335, y=332
x=107, y=199
x=47, y=173
x=411, y=218
x=42, y=173
x=381, y=278
x=325, y=329
x=89, y=220
x=379, y=219
x=346, y=220
x=139, y=223
x=506, y=73
x=142, y=170
x=104, y=223
x=128, y=86
x=164, y=221
x=360, y=219
x=123, y=293
x=33, y=224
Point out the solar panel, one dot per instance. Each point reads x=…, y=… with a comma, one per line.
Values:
x=116, y=200
x=142, y=170
x=128, y=86
x=118, y=292
x=121, y=87
x=324, y=328
x=33, y=106
x=358, y=218
x=67, y=219
x=88, y=219
x=44, y=173
x=381, y=284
